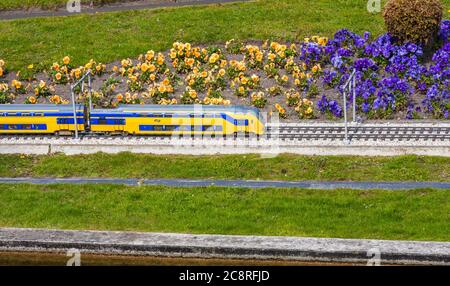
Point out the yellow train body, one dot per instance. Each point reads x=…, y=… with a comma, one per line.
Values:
x=132, y=119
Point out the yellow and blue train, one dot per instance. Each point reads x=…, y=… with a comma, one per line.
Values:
x=132, y=120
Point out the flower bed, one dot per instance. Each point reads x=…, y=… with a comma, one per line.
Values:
x=298, y=80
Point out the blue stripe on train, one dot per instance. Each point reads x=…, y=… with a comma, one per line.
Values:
x=179, y=128
x=99, y=121
x=97, y=116
x=69, y=121
x=23, y=126
x=39, y=114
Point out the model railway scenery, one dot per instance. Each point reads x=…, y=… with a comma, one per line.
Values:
x=224, y=133
x=130, y=120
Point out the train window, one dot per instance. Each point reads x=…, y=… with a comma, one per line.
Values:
x=171, y=127
x=38, y=114
x=3, y=127
x=26, y=114
x=1, y=113
x=12, y=114
x=168, y=115
x=158, y=128
x=119, y=121
x=13, y=126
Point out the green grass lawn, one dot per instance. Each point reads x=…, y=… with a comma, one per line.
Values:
x=282, y=167
x=110, y=36
x=405, y=215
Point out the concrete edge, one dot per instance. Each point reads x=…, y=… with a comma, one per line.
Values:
x=321, y=150
x=225, y=246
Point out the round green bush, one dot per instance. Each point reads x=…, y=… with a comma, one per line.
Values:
x=414, y=21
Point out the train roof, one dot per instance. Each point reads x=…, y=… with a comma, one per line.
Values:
x=40, y=107
x=181, y=108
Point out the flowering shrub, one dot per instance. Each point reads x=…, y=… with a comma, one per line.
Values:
x=42, y=90
x=18, y=86
x=258, y=99
x=305, y=109
x=190, y=96
x=3, y=70
x=393, y=79
x=5, y=96
x=330, y=107
x=128, y=98
x=281, y=111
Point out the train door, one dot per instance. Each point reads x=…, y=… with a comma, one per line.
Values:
x=119, y=125
x=64, y=123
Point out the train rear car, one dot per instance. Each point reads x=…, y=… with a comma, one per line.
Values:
x=40, y=118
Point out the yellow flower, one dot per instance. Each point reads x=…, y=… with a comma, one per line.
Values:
x=42, y=84
x=271, y=56
x=323, y=41
x=222, y=72
x=315, y=68
x=150, y=55
x=189, y=61
x=55, y=66
x=162, y=89
x=213, y=59
x=77, y=73
x=125, y=63
x=193, y=94
x=152, y=77
x=32, y=99
x=1, y=71
x=66, y=60
x=58, y=76
x=144, y=67
x=30, y=67
x=119, y=97
x=2, y=63
x=56, y=99
x=17, y=84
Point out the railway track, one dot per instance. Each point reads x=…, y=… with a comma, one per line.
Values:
x=439, y=132
x=361, y=132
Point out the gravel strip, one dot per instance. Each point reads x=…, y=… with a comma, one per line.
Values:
x=314, y=185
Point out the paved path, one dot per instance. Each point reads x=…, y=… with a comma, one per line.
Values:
x=113, y=7
x=317, y=185
x=224, y=246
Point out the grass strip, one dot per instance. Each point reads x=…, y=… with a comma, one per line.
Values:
x=411, y=215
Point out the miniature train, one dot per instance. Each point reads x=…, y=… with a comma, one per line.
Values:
x=131, y=120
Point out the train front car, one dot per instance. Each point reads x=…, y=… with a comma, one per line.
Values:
x=40, y=119
x=176, y=120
